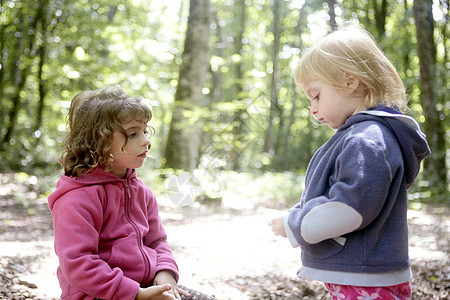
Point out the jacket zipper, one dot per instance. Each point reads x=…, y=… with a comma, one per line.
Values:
x=136, y=229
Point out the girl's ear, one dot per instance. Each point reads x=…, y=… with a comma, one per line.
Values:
x=351, y=82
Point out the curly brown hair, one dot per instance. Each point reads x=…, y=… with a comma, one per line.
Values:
x=93, y=118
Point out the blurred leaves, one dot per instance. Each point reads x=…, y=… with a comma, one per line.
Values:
x=74, y=45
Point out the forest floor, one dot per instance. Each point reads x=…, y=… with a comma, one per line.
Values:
x=225, y=250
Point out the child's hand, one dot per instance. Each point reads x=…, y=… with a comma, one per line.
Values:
x=277, y=225
x=156, y=292
x=166, y=277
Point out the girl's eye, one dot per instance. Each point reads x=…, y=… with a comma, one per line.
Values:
x=316, y=97
x=147, y=133
x=131, y=135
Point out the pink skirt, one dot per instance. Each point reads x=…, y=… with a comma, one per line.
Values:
x=349, y=292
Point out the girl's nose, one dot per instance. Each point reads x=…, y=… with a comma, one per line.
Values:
x=147, y=142
x=313, y=109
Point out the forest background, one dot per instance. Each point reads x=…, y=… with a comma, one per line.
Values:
x=218, y=75
x=233, y=133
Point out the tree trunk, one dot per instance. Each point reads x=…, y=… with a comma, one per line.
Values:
x=269, y=140
x=217, y=75
x=434, y=166
x=299, y=30
x=406, y=63
x=183, y=143
x=42, y=89
x=238, y=89
x=16, y=101
x=332, y=14
x=41, y=82
x=216, y=93
x=19, y=77
x=2, y=70
x=23, y=72
x=164, y=112
x=380, y=16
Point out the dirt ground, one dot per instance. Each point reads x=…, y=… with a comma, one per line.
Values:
x=224, y=250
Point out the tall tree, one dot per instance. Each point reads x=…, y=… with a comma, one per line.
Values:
x=216, y=71
x=238, y=68
x=332, y=14
x=274, y=109
x=298, y=44
x=23, y=68
x=183, y=143
x=42, y=51
x=2, y=64
x=433, y=127
x=381, y=12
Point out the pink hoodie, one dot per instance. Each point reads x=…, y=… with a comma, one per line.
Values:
x=108, y=236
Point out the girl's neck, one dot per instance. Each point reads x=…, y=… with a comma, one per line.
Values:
x=361, y=107
x=119, y=173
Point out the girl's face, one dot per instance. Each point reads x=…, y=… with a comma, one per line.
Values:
x=330, y=105
x=133, y=153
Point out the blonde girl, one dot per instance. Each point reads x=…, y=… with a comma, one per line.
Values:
x=351, y=221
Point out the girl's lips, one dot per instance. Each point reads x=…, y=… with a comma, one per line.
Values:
x=143, y=154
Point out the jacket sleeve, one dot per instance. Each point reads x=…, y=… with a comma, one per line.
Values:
x=77, y=222
x=156, y=239
x=358, y=188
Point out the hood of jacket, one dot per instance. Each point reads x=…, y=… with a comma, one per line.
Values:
x=96, y=176
x=412, y=141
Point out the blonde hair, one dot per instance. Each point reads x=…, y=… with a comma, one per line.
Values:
x=93, y=118
x=353, y=51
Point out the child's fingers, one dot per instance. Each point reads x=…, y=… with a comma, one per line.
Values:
x=160, y=289
x=183, y=292
x=178, y=292
x=170, y=296
x=156, y=292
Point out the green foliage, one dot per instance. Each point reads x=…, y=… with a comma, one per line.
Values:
x=87, y=46
x=235, y=189
x=61, y=47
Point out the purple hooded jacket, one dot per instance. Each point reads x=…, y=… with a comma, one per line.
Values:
x=352, y=213
x=108, y=236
